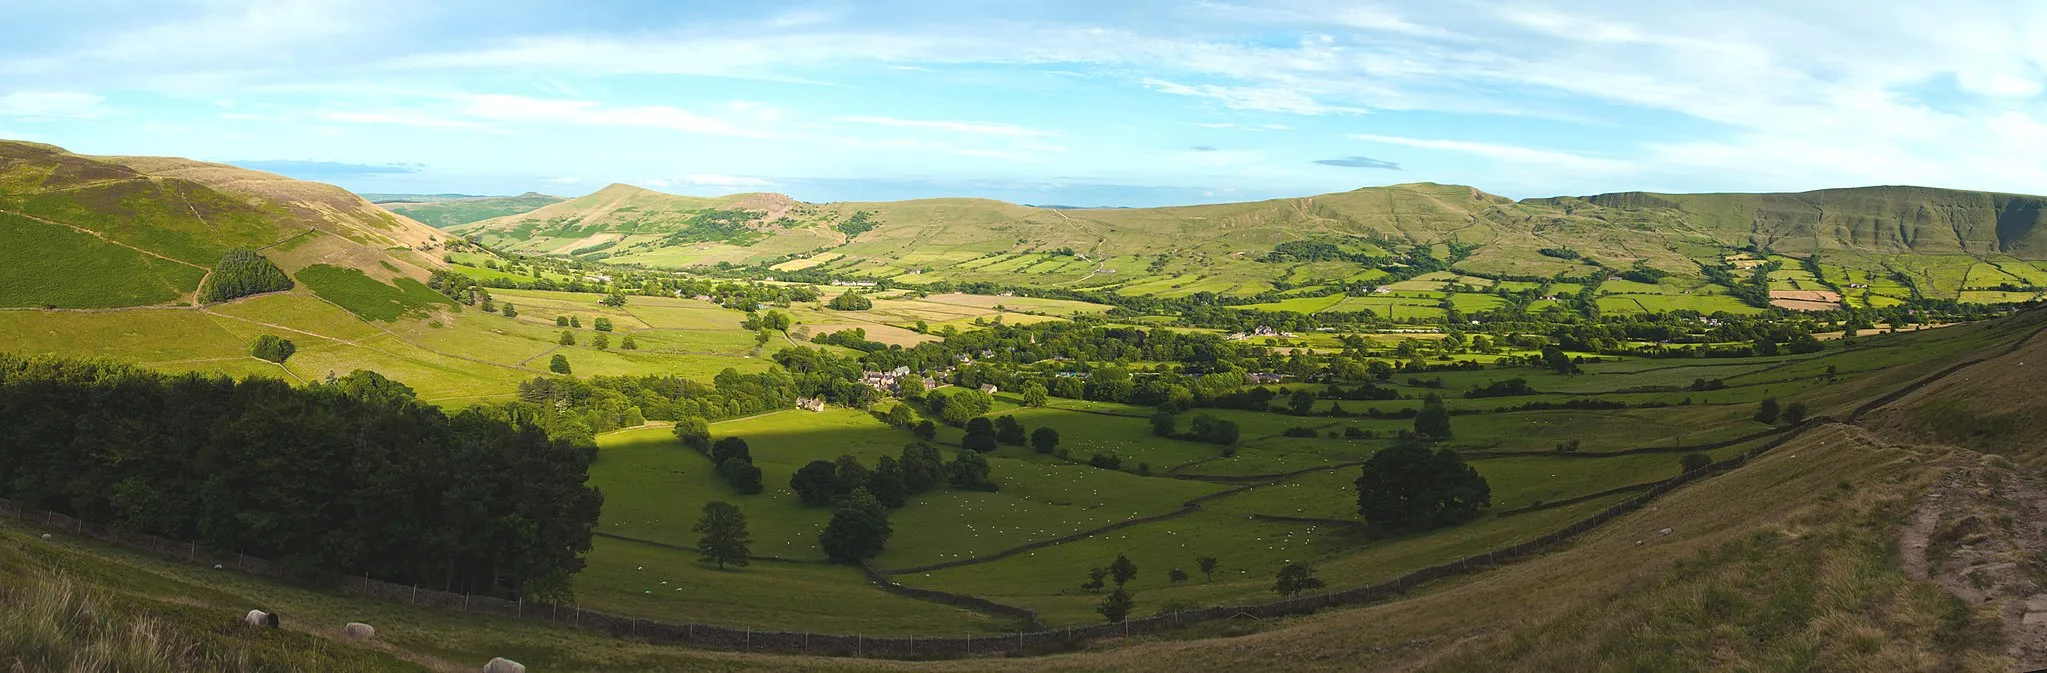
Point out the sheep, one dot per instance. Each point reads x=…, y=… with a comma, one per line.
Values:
x=503, y=665
x=261, y=619
x=359, y=631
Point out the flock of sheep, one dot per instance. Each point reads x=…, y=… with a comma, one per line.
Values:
x=264, y=619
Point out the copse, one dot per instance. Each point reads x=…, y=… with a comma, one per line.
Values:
x=231, y=467
x=851, y=301
x=240, y=273
x=273, y=348
x=1408, y=486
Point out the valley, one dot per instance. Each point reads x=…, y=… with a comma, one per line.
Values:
x=1214, y=380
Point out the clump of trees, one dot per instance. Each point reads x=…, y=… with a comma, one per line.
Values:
x=559, y=364
x=240, y=273
x=1409, y=487
x=850, y=301
x=734, y=460
x=230, y=466
x=273, y=348
x=1295, y=578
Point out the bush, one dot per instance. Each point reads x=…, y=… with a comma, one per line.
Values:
x=1693, y=462
x=1298, y=431
x=559, y=365
x=850, y=301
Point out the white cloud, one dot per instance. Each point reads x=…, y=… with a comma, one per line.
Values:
x=564, y=180
x=1265, y=99
x=657, y=183
x=51, y=105
x=1512, y=153
x=403, y=118
x=524, y=109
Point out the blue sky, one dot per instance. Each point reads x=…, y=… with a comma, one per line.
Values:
x=1077, y=103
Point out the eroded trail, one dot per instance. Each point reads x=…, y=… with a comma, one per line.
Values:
x=1981, y=534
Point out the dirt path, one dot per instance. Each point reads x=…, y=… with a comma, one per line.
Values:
x=1979, y=534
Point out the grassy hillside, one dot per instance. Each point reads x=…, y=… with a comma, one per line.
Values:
x=1875, y=246
x=444, y=212
x=102, y=232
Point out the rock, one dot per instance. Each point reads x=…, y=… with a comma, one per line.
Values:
x=359, y=631
x=2036, y=618
x=503, y=665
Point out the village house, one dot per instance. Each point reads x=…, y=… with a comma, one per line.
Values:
x=810, y=403
x=1262, y=378
x=853, y=283
x=989, y=388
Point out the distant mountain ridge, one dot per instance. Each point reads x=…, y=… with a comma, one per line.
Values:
x=448, y=210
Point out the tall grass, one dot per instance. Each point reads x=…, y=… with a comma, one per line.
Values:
x=52, y=622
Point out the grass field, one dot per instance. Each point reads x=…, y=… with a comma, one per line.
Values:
x=369, y=298
x=49, y=265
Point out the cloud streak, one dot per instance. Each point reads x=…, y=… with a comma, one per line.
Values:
x=1359, y=162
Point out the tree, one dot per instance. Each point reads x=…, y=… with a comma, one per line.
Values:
x=1409, y=487
x=886, y=482
x=851, y=474
x=729, y=448
x=725, y=540
x=1096, y=579
x=1035, y=395
x=1794, y=413
x=1008, y=431
x=1693, y=462
x=1296, y=578
x=969, y=470
x=1208, y=566
x=1044, y=439
x=1176, y=575
x=601, y=325
x=1122, y=570
x=561, y=321
x=1117, y=606
x=601, y=341
x=1767, y=411
x=273, y=348
x=614, y=300
x=1433, y=422
x=627, y=343
x=979, y=443
x=509, y=310
x=568, y=338
x=559, y=365
x=1558, y=361
x=850, y=301
x=925, y=430
x=576, y=322
x=980, y=426
x=693, y=433
x=901, y=416
x=742, y=474
x=923, y=467
x=816, y=483
x=858, y=529
x=1163, y=422
x=910, y=388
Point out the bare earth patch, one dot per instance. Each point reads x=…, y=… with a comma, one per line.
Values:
x=1981, y=534
x=1805, y=300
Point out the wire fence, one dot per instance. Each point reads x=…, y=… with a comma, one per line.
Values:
x=1034, y=639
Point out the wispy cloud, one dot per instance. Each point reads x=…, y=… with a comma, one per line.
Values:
x=1360, y=162
x=51, y=105
x=1266, y=99
x=972, y=127
x=1511, y=153
x=326, y=170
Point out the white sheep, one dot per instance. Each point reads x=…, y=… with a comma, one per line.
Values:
x=359, y=631
x=261, y=619
x=503, y=665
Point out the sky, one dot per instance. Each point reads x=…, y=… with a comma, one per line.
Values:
x=1130, y=103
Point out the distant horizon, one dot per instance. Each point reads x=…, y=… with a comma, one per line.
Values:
x=1137, y=104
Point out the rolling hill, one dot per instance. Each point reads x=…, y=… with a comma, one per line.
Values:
x=107, y=232
x=1889, y=243
x=442, y=211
